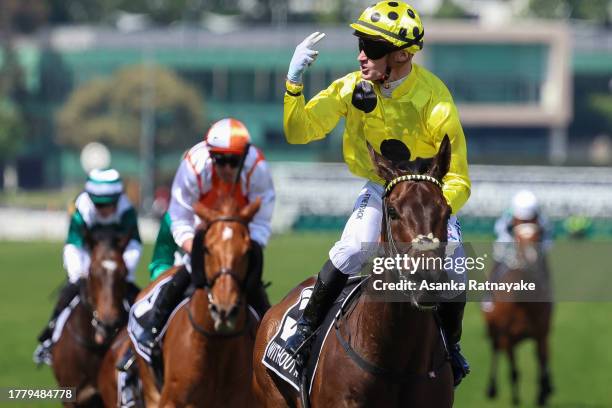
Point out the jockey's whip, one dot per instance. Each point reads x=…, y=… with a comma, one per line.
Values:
x=240, y=167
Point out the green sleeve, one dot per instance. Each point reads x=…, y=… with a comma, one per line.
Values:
x=129, y=223
x=76, y=230
x=165, y=247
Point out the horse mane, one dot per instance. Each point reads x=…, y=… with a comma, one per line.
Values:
x=226, y=204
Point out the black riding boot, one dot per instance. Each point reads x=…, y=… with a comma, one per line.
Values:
x=255, y=289
x=170, y=295
x=132, y=291
x=451, y=316
x=42, y=354
x=329, y=284
x=67, y=293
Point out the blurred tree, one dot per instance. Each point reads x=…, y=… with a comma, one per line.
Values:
x=450, y=10
x=602, y=104
x=593, y=10
x=12, y=129
x=12, y=90
x=111, y=110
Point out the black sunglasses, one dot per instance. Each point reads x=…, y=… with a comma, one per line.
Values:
x=227, y=159
x=375, y=49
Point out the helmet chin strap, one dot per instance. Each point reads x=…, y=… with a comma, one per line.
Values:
x=384, y=80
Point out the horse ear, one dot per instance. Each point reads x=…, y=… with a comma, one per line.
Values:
x=383, y=166
x=88, y=237
x=206, y=214
x=441, y=161
x=248, y=212
x=123, y=240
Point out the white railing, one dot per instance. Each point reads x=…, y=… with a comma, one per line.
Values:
x=330, y=189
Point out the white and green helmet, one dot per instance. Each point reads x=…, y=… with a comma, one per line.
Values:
x=104, y=186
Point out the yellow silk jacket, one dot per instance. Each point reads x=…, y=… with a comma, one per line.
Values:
x=419, y=113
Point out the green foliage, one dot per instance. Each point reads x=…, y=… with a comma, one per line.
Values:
x=110, y=110
x=449, y=10
x=602, y=104
x=594, y=10
x=12, y=129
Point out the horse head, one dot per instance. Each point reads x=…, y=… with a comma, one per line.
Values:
x=415, y=211
x=223, y=243
x=527, y=236
x=106, y=285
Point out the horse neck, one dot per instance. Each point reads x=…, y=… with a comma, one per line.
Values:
x=394, y=335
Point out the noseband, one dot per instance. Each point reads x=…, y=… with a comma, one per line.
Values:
x=420, y=240
x=209, y=283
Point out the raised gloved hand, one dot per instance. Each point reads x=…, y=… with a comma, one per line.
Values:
x=303, y=56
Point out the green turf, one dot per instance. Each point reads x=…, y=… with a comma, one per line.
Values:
x=581, y=360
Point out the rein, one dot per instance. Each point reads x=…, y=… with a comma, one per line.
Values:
x=197, y=264
x=394, y=376
x=387, y=221
x=248, y=324
x=96, y=323
x=199, y=238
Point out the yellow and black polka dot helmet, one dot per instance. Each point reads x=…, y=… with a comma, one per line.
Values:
x=393, y=21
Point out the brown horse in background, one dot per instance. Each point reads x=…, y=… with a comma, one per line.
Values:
x=401, y=359
x=95, y=320
x=510, y=321
x=208, y=345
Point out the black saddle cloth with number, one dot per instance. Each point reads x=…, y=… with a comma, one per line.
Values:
x=280, y=361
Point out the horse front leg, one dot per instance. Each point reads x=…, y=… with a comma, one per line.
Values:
x=514, y=375
x=545, y=383
x=492, y=388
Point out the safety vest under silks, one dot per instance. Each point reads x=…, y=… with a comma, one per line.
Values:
x=220, y=188
x=419, y=113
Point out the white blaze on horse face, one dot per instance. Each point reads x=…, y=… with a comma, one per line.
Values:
x=109, y=265
x=227, y=233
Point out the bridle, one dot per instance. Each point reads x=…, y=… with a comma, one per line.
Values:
x=110, y=330
x=209, y=283
x=394, y=376
x=392, y=245
x=197, y=264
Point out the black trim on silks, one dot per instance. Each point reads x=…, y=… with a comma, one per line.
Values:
x=417, y=40
x=364, y=97
x=293, y=94
x=198, y=274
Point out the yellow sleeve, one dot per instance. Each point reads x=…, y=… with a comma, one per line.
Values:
x=444, y=120
x=304, y=123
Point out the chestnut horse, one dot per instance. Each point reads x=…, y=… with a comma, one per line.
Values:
x=95, y=320
x=509, y=322
x=384, y=354
x=208, y=344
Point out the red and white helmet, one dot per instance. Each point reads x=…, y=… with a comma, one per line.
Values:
x=227, y=136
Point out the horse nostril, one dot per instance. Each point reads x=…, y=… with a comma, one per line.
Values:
x=233, y=312
x=213, y=308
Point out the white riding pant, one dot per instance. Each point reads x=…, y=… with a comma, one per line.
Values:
x=77, y=261
x=363, y=227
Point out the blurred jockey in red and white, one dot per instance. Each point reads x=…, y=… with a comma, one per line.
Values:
x=206, y=173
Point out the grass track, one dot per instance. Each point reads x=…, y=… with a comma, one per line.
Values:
x=581, y=357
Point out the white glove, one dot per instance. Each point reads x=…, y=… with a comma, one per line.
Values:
x=303, y=56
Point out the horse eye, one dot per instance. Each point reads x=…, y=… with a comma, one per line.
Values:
x=392, y=213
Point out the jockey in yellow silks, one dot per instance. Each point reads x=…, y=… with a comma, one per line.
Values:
x=390, y=97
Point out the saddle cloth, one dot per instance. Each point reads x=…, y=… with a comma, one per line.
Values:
x=279, y=360
x=142, y=310
x=62, y=318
